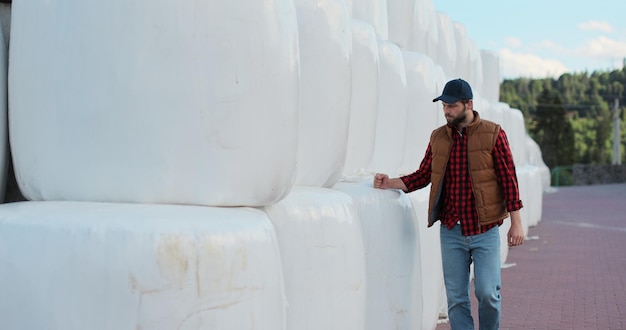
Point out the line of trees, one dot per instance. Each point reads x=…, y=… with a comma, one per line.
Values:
x=571, y=118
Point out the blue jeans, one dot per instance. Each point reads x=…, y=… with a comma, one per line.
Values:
x=458, y=252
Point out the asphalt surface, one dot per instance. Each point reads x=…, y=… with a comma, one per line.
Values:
x=571, y=271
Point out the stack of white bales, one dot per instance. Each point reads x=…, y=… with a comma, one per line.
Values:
x=208, y=165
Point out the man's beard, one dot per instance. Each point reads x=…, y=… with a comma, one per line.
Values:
x=460, y=118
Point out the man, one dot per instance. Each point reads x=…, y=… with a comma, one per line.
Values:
x=469, y=165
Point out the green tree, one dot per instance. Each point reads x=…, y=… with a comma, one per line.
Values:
x=584, y=137
x=553, y=130
x=588, y=100
x=603, y=128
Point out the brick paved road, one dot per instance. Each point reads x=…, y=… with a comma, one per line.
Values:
x=573, y=276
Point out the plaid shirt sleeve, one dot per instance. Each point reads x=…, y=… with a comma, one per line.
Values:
x=421, y=177
x=505, y=172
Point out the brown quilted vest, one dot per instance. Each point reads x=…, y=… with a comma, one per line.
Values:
x=482, y=135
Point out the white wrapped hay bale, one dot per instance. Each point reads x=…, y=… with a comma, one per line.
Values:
x=440, y=83
x=446, y=45
x=401, y=16
x=364, y=100
x=497, y=113
x=507, y=118
x=430, y=271
x=424, y=32
x=483, y=107
x=393, y=265
x=524, y=181
x=535, y=159
x=475, y=77
x=81, y=265
x=517, y=137
x=326, y=84
x=155, y=101
x=321, y=246
x=422, y=112
x=462, y=43
x=491, y=75
x=536, y=197
x=373, y=12
x=392, y=112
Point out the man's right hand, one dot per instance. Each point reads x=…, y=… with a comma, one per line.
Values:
x=381, y=181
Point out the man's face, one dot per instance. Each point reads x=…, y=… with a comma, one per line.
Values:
x=455, y=112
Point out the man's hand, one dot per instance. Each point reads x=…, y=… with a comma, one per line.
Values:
x=515, y=236
x=381, y=181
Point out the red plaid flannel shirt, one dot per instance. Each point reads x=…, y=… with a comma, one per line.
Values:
x=459, y=201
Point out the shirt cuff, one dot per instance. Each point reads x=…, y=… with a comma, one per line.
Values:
x=407, y=181
x=514, y=205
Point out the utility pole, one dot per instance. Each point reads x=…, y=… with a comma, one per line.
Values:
x=617, y=154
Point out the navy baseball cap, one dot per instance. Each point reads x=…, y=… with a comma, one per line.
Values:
x=455, y=90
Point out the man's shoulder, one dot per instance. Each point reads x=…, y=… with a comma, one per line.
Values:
x=441, y=128
x=488, y=130
x=488, y=122
x=489, y=126
x=439, y=131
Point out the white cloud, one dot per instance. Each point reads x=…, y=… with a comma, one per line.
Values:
x=601, y=53
x=596, y=26
x=516, y=65
x=603, y=48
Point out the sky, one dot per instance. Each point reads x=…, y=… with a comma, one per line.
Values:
x=545, y=38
